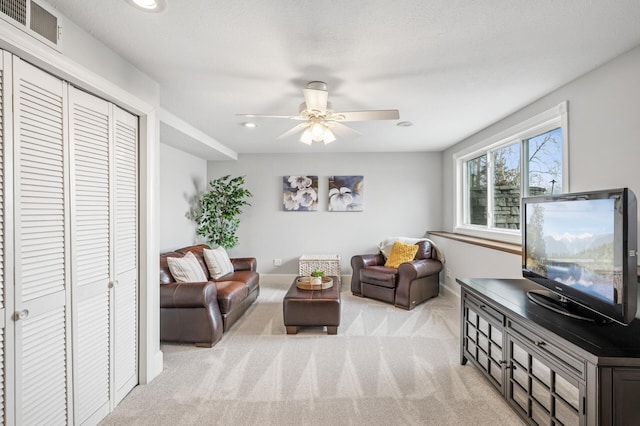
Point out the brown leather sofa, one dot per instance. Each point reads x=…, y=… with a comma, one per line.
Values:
x=200, y=312
x=406, y=287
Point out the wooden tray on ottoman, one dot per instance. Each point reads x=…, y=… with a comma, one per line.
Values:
x=304, y=283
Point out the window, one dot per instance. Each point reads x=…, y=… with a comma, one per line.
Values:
x=492, y=177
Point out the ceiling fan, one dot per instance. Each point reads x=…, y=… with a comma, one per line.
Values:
x=320, y=121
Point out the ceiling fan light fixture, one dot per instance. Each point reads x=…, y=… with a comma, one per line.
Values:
x=328, y=136
x=317, y=132
x=318, y=118
x=306, y=137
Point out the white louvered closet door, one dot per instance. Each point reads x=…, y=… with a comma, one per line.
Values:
x=42, y=334
x=126, y=252
x=89, y=133
x=4, y=59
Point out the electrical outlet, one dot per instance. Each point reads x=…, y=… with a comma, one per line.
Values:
x=448, y=273
x=277, y=262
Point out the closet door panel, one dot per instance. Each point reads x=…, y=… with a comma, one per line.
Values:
x=126, y=252
x=89, y=133
x=42, y=380
x=41, y=252
x=4, y=60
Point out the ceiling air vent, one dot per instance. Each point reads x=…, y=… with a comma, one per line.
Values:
x=15, y=9
x=42, y=23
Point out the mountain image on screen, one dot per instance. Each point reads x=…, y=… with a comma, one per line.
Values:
x=577, y=253
x=585, y=263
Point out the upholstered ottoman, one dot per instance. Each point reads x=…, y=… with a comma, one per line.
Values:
x=311, y=308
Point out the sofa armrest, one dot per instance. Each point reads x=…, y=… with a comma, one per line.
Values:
x=413, y=272
x=188, y=295
x=419, y=268
x=362, y=261
x=244, y=264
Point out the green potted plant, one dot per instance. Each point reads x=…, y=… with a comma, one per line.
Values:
x=217, y=216
x=316, y=276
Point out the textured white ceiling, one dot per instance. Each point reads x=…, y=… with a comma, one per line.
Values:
x=452, y=67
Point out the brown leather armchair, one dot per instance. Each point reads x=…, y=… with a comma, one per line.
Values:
x=200, y=312
x=407, y=286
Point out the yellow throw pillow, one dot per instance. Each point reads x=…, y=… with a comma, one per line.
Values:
x=400, y=253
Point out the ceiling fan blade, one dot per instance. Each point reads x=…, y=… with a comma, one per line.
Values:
x=293, y=130
x=343, y=131
x=315, y=99
x=384, y=114
x=290, y=117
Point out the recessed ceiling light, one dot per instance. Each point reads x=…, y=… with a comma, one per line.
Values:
x=249, y=124
x=149, y=5
x=404, y=124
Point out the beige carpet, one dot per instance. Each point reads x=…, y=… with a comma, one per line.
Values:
x=386, y=366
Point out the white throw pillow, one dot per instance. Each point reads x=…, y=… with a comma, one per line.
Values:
x=218, y=262
x=386, y=245
x=186, y=269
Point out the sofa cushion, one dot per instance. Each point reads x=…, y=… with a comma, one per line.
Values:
x=379, y=275
x=250, y=278
x=401, y=253
x=197, y=252
x=231, y=294
x=186, y=269
x=218, y=262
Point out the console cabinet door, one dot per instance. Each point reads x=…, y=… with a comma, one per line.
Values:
x=539, y=390
x=619, y=388
x=482, y=339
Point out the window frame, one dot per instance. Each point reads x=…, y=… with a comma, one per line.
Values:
x=556, y=117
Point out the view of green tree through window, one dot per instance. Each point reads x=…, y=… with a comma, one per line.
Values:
x=544, y=153
x=492, y=175
x=512, y=176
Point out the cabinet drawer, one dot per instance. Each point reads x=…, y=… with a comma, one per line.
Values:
x=485, y=310
x=548, y=348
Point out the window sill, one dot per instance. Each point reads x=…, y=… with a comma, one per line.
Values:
x=482, y=242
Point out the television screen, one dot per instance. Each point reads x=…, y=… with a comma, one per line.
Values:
x=572, y=242
x=582, y=247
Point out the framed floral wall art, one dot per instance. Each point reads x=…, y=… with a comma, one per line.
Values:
x=300, y=193
x=346, y=193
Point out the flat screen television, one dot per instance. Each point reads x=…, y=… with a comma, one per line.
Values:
x=582, y=248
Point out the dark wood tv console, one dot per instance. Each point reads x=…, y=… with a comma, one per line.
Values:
x=550, y=368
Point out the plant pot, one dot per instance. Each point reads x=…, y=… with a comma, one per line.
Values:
x=316, y=280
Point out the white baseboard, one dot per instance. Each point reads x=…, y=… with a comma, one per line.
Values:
x=158, y=363
x=285, y=280
x=452, y=289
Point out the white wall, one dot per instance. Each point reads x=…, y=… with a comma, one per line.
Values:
x=83, y=61
x=402, y=198
x=471, y=261
x=182, y=181
x=604, y=148
x=103, y=61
